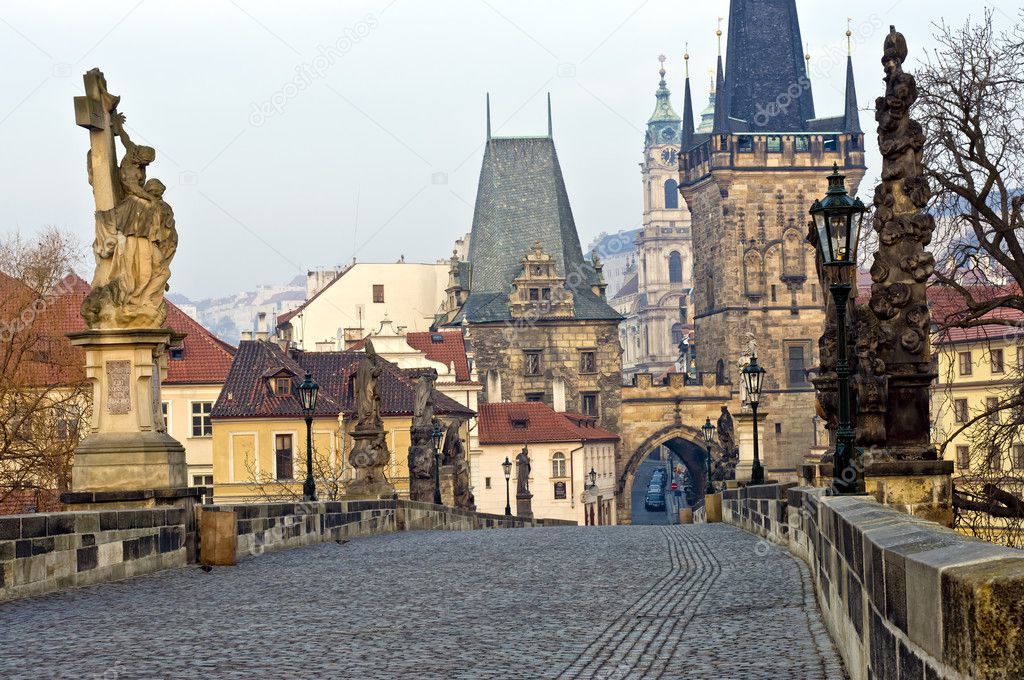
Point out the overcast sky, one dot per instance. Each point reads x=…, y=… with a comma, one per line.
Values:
x=298, y=135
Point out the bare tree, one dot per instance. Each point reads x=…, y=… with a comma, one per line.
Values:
x=971, y=108
x=43, y=395
x=330, y=482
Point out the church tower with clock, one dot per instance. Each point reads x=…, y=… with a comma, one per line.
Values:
x=657, y=306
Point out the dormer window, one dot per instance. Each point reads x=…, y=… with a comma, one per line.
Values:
x=520, y=423
x=177, y=353
x=282, y=386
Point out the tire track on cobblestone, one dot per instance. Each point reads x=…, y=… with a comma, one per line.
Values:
x=641, y=634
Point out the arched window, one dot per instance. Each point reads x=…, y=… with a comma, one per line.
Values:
x=558, y=465
x=677, y=334
x=671, y=194
x=675, y=268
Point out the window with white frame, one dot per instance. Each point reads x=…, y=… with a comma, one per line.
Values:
x=558, y=465
x=201, y=424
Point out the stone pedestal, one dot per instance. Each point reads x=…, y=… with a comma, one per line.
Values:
x=922, y=488
x=524, y=505
x=819, y=475
x=686, y=515
x=745, y=440
x=369, y=456
x=127, y=448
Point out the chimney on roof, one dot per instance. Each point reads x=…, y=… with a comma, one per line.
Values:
x=261, y=326
x=246, y=336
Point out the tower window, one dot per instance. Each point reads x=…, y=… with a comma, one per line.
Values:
x=588, y=362
x=797, y=366
x=531, y=362
x=801, y=143
x=745, y=144
x=671, y=194
x=675, y=268
x=774, y=143
x=588, y=403
x=378, y=293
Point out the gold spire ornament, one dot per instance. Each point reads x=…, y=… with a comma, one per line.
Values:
x=686, y=59
x=719, y=34
x=849, y=36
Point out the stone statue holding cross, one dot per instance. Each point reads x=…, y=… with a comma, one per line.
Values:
x=135, y=233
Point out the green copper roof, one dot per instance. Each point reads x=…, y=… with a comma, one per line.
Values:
x=663, y=127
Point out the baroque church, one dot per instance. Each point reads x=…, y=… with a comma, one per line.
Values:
x=749, y=182
x=532, y=309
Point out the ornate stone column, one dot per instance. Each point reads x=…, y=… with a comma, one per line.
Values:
x=893, y=353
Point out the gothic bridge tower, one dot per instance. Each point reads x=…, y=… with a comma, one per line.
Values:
x=749, y=184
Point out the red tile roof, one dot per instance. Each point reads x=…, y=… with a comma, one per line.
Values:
x=247, y=392
x=528, y=422
x=445, y=347
x=206, y=358
x=948, y=306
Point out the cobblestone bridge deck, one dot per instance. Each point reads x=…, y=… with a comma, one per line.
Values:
x=692, y=601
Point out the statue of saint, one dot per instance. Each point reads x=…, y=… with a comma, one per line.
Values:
x=523, y=473
x=367, y=397
x=136, y=238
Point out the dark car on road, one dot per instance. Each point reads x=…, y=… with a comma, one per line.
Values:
x=655, y=500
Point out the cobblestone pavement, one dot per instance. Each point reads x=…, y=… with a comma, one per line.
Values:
x=691, y=601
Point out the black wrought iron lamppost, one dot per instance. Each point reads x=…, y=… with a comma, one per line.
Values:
x=436, y=434
x=308, y=390
x=837, y=220
x=708, y=434
x=507, y=469
x=753, y=379
x=593, y=477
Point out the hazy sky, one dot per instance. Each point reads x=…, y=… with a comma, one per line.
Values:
x=296, y=135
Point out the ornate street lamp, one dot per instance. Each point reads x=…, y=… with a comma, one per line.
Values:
x=708, y=433
x=593, y=477
x=753, y=379
x=507, y=469
x=307, y=397
x=837, y=220
x=435, y=435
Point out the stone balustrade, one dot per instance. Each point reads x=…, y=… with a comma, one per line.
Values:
x=40, y=553
x=903, y=597
x=268, y=527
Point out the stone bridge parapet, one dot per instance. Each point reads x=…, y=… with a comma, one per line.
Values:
x=902, y=597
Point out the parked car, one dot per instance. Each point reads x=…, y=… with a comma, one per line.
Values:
x=654, y=501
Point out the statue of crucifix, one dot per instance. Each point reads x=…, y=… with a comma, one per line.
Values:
x=135, y=232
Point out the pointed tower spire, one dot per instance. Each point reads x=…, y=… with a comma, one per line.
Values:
x=721, y=125
x=851, y=116
x=549, y=117
x=488, y=116
x=686, y=134
x=764, y=59
x=663, y=125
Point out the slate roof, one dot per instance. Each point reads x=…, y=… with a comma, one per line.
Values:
x=520, y=423
x=630, y=287
x=521, y=199
x=765, y=57
x=247, y=392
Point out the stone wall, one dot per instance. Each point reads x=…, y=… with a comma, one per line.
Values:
x=41, y=553
x=903, y=597
x=500, y=347
x=269, y=527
